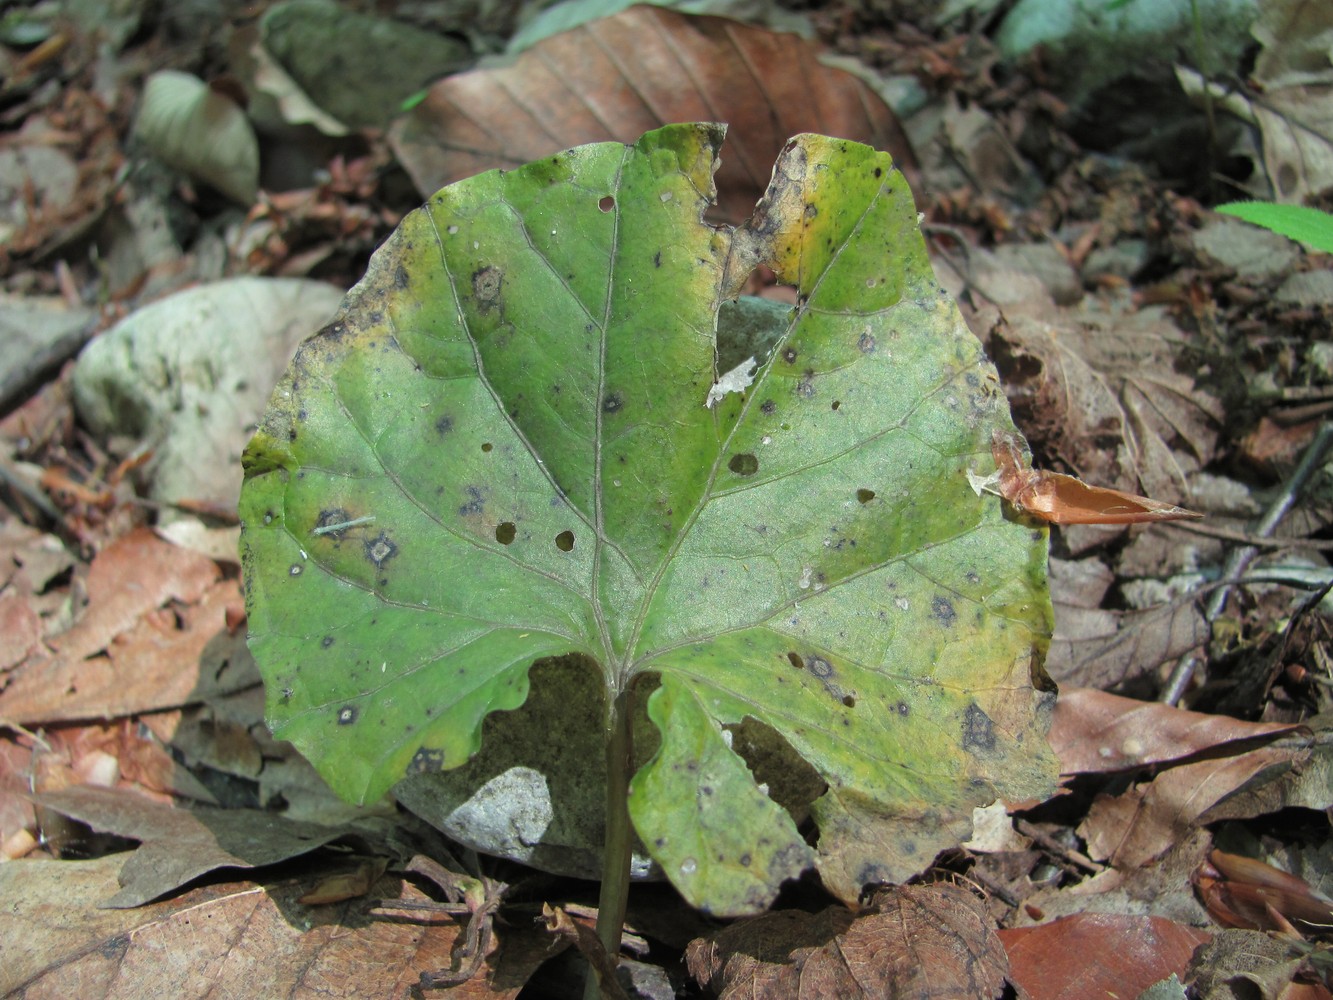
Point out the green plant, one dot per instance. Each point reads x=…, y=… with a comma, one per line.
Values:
x=1305, y=225
x=513, y=445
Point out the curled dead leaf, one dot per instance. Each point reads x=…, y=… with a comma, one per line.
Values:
x=1060, y=499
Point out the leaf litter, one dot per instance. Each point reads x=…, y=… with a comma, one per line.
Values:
x=1096, y=211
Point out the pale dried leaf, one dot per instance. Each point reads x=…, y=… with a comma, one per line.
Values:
x=1102, y=392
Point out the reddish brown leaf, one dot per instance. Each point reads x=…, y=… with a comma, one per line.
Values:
x=1245, y=892
x=1098, y=955
x=164, y=658
x=620, y=76
x=932, y=942
x=1094, y=731
x=1061, y=499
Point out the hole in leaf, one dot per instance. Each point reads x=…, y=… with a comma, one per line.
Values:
x=565, y=541
x=795, y=660
x=607, y=203
x=743, y=464
x=865, y=496
x=837, y=403
x=849, y=701
x=486, y=447
x=505, y=532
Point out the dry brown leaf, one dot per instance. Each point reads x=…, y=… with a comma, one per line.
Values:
x=1094, y=731
x=181, y=844
x=20, y=628
x=235, y=939
x=157, y=617
x=1102, y=392
x=1096, y=647
x=618, y=77
x=1141, y=824
x=1098, y=955
x=918, y=942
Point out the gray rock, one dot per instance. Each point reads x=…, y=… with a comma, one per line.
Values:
x=190, y=375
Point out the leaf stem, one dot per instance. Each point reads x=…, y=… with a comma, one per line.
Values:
x=618, y=848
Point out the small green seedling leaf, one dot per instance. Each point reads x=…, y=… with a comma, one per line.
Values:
x=510, y=446
x=1309, y=226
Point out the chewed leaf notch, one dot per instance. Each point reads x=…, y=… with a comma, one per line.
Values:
x=511, y=445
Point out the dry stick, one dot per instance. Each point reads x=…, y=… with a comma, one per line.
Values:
x=1239, y=559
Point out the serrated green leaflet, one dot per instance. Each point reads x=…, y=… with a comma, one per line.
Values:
x=500, y=452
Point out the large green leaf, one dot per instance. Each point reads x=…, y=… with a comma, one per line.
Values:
x=500, y=452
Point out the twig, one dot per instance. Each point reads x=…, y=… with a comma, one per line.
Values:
x=1053, y=846
x=1245, y=538
x=1239, y=559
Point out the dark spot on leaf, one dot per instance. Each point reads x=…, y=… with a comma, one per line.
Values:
x=426, y=761
x=613, y=403
x=849, y=701
x=487, y=446
x=836, y=404
x=745, y=860
x=706, y=789
x=607, y=203
x=505, y=532
x=805, y=388
x=767, y=407
x=291, y=434
x=400, y=277
x=743, y=464
x=942, y=611
x=380, y=550
x=657, y=259
x=486, y=285
x=295, y=569
x=660, y=842
x=820, y=667
x=790, y=355
x=879, y=172
x=903, y=710
x=347, y=715
x=565, y=541
x=978, y=730
x=795, y=660
x=866, y=344
x=444, y=425
x=864, y=495
x=326, y=642
x=476, y=502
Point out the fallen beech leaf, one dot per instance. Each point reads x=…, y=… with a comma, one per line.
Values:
x=1061, y=499
x=182, y=844
x=1094, y=732
x=1139, y=825
x=164, y=659
x=235, y=939
x=917, y=942
x=1245, y=892
x=620, y=76
x=1098, y=955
